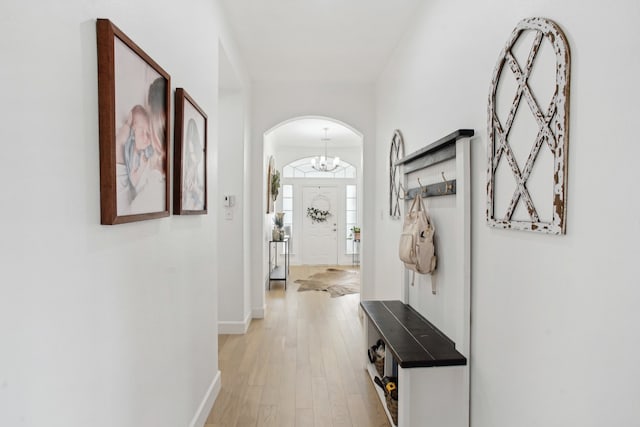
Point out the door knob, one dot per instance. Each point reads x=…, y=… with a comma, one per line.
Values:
x=334, y=229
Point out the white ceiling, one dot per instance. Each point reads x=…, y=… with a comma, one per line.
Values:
x=317, y=40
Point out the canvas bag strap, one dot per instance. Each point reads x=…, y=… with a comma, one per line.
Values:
x=421, y=207
x=414, y=209
x=413, y=205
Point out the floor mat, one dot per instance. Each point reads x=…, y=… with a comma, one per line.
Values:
x=333, y=280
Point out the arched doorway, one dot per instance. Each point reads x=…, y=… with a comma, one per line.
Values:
x=294, y=144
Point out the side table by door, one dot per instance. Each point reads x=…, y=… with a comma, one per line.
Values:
x=355, y=249
x=279, y=272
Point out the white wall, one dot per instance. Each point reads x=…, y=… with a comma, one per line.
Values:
x=233, y=278
x=554, y=318
x=100, y=325
x=274, y=103
x=231, y=303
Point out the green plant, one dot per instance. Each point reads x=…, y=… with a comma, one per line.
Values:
x=317, y=215
x=275, y=185
x=355, y=229
x=278, y=219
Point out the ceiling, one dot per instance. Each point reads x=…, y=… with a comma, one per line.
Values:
x=317, y=40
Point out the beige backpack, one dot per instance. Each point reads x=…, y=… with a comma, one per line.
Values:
x=416, y=241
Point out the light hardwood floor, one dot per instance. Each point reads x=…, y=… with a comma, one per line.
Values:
x=302, y=365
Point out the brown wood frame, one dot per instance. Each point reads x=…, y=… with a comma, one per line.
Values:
x=107, y=33
x=181, y=97
x=271, y=166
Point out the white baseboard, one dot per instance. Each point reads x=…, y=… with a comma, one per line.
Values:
x=207, y=403
x=258, y=313
x=234, y=327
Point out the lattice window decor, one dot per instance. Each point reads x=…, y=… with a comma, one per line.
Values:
x=528, y=144
x=395, y=183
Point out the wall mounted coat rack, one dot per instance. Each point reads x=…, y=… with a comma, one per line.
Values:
x=437, y=152
x=443, y=188
x=450, y=307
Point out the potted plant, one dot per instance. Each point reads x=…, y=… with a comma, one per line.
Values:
x=278, y=229
x=356, y=232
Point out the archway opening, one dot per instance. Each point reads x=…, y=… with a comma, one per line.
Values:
x=294, y=145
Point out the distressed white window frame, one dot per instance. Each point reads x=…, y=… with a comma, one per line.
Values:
x=553, y=129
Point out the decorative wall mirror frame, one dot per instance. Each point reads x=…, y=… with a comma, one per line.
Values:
x=551, y=120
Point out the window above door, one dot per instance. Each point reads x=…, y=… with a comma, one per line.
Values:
x=301, y=168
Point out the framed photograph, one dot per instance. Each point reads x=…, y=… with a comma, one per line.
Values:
x=190, y=157
x=133, y=102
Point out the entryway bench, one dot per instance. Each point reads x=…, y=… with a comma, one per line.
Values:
x=431, y=372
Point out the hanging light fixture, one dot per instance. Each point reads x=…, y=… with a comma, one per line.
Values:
x=325, y=163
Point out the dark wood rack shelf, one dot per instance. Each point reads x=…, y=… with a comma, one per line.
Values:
x=439, y=151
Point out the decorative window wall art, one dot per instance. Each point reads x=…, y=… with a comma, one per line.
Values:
x=133, y=101
x=528, y=141
x=190, y=157
x=395, y=184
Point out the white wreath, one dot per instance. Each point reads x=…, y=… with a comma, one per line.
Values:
x=315, y=211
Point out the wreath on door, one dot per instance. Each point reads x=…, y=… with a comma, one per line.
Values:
x=320, y=209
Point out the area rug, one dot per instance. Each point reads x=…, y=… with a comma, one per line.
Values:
x=333, y=280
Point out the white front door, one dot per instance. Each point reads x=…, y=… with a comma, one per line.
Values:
x=320, y=238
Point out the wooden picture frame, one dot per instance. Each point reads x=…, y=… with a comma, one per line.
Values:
x=133, y=103
x=190, y=157
x=271, y=167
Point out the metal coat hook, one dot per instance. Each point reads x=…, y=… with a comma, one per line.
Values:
x=448, y=187
x=402, y=193
x=422, y=187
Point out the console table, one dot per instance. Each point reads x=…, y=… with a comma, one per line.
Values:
x=355, y=249
x=279, y=272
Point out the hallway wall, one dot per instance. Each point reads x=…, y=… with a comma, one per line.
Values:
x=100, y=325
x=554, y=318
x=233, y=289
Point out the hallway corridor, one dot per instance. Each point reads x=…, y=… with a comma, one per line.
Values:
x=300, y=366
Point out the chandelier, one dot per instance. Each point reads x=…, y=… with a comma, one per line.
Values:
x=325, y=163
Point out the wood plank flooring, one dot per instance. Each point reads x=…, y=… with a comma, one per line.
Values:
x=302, y=365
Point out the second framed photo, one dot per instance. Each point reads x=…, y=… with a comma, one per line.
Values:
x=190, y=154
